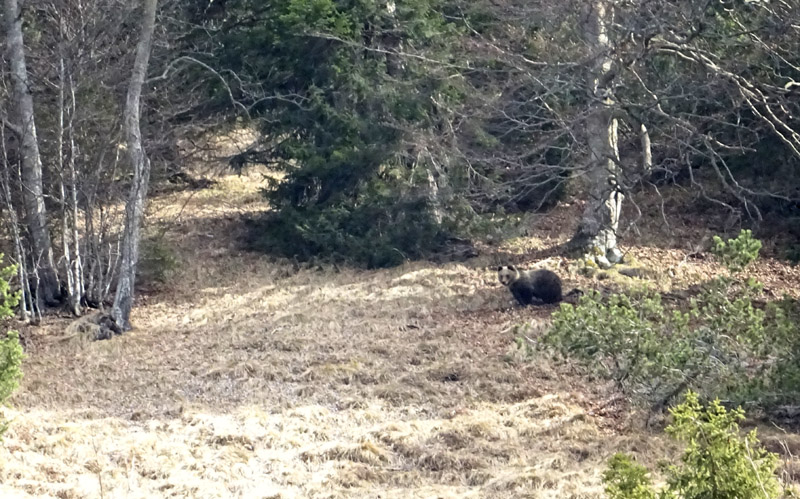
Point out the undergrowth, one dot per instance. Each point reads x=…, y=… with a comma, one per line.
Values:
x=158, y=262
x=376, y=230
x=721, y=343
x=375, y=234
x=717, y=463
x=10, y=349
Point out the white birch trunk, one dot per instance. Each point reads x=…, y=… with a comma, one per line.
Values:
x=73, y=180
x=600, y=221
x=19, y=252
x=647, y=150
x=48, y=291
x=134, y=209
x=73, y=297
x=434, y=201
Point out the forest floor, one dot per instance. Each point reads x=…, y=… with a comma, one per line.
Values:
x=249, y=377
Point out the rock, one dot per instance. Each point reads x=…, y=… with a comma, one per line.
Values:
x=614, y=255
x=602, y=262
x=588, y=261
x=630, y=272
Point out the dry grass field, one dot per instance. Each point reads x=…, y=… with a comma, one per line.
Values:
x=251, y=378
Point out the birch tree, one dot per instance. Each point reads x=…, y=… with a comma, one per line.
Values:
x=600, y=221
x=631, y=95
x=35, y=212
x=134, y=209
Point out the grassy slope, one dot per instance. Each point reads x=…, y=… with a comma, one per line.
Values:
x=247, y=378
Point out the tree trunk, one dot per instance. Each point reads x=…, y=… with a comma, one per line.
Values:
x=13, y=222
x=434, y=199
x=647, y=150
x=80, y=289
x=438, y=187
x=73, y=296
x=598, y=228
x=392, y=42
x=48, y=291
x=134, y=208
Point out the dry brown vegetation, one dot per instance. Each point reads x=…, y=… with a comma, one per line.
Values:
x=247, y=377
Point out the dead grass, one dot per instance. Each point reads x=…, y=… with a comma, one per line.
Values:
x=247, y=377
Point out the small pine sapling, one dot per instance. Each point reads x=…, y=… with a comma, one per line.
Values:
x=10, y=349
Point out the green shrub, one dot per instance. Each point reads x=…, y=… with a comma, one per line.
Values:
x=626, y=479
x=10, y=349
x=375, y=234
x=716, y=464
x=719, y=343
x=158, y=261
x=736, y=254
x=722, y=345
x=780, y=382
x=623, y=339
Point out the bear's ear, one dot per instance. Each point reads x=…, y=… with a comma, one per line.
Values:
x=499, y=268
